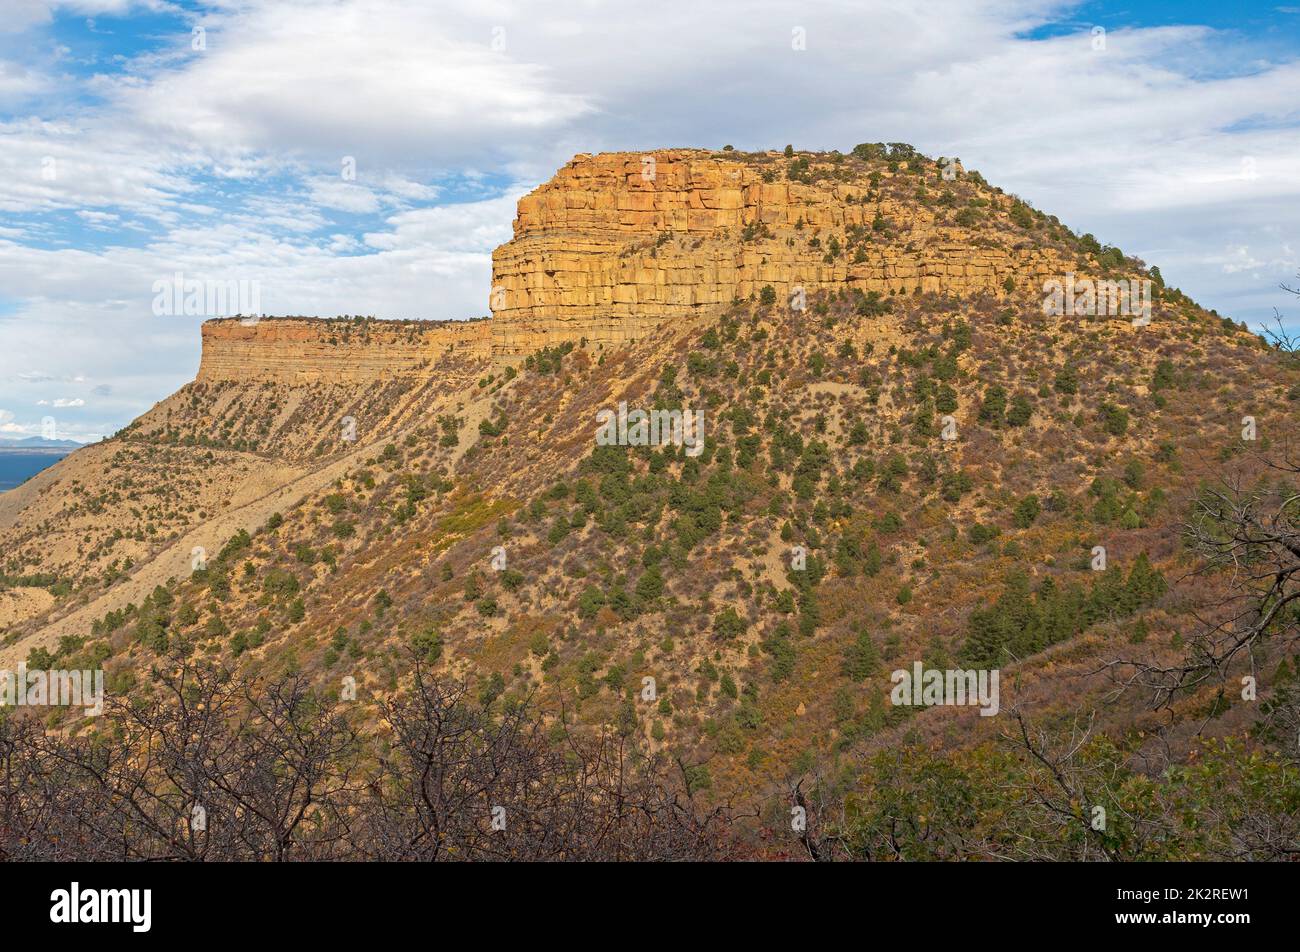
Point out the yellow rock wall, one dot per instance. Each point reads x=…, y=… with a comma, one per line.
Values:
x=618, y=242
x=304, y=350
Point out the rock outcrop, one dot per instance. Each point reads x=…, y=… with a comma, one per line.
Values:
x=616, y=243
x=308, y=350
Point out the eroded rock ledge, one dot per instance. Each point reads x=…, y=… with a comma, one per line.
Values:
x=617, y=243
x=309, y=350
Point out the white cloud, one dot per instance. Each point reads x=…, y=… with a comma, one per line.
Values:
x=343, y=195
x=99, y=221
x=18, y=83
x=50, y=166
x=20, y=15
x=375, y=80
x=474, y=227
x=62, y=402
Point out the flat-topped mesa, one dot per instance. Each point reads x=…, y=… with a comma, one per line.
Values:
x=616, y=243
x=309, y=350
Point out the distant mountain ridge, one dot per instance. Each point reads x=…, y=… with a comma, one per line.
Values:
x=38, y=443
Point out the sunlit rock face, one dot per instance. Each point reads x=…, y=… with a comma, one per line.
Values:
x=617, y=243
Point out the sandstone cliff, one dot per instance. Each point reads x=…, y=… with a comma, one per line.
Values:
x=308, y=350
x=616, y=243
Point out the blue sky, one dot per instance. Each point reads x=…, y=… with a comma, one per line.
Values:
x=1261, y=23
x=364, y=156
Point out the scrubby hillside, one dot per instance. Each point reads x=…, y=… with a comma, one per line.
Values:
x=113, y=520
x=948, y=476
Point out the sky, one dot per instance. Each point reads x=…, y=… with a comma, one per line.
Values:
x=365, y=156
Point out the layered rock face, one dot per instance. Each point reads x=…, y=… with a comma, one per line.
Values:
x=618, y=242
x=307, y=350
